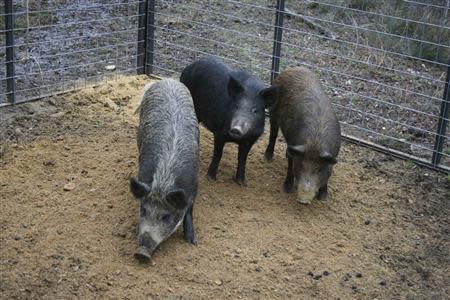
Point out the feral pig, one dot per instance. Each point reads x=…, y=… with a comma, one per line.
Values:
x=167, y=179
x=311, y=129
x=230, y=103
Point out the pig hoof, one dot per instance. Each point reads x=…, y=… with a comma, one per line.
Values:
x=240, y=181
x=211, y=177
x=288, y=187
x=322, y=196
x=192, y=240
x=268, y=156
x=142, y=255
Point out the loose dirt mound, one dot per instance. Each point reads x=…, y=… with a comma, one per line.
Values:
x=68, y=220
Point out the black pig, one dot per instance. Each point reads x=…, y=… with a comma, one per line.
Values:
x=168, y=164
x=230, y=103
x=311, y=129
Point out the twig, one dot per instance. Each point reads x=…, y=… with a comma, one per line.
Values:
x=313, y=25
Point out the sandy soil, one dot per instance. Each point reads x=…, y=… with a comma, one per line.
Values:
x=383, y=233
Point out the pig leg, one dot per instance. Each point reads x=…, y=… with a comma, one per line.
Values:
x=244, y=149
x=323, y=193
x=289, y=181
x=272, y=139
x=217, y=155
x=188, y=226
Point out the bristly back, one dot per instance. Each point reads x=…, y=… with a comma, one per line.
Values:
x=168, y=131
x=300, y=93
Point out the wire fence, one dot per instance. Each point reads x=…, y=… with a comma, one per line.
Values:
x=56, y=46
x=385, y=64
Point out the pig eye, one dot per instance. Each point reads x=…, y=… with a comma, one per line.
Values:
x=143, y=211
x=165, y=218
x=254, y=110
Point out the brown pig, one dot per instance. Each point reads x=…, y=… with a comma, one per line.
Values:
x=311, y=130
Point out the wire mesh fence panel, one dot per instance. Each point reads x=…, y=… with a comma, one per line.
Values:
x=62, y=45
x=383, y=63
x=188, y=30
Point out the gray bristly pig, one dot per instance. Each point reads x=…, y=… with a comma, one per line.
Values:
x=167, y=179
x=311, y=129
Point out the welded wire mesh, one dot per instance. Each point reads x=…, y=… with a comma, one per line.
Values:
x=64, y=44
x=383, y=63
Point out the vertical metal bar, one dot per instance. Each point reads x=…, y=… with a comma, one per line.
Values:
x=9, y=32
x=150, y=55
x=442, y=123
x=142, y=34
x=278, y=33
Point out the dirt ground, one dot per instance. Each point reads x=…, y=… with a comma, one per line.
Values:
x=68, y=219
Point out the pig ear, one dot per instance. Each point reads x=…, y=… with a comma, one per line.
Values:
x=177, y=199
x=326, y=156
x=138, y=189
x=269, y=95
x=234, y=86
x=296, y=150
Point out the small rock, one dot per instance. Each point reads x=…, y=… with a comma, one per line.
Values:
x=367, y=222
x=67, y=147
x=58, y=114
x=310, y=273
x=383, y=282
x=110, y=206
x=347, y=276
x=218, y=282
x=110, y=67
x=358, y=275
x=52, y=102
x=59, y=231
x=325, y=273
x=110, y=104
x=258, y=269
x=17, y=237
x=50, y=162
x=69, y=186
x=18, y=131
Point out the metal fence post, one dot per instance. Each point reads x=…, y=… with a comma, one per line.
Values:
x=442, y=123
x=146, y=37
x=142, y=37
x=150, y=37
x=9, y=32
x=278, y=33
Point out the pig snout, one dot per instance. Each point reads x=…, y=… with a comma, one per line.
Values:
x=238, y=129
x=306, y=192
x=146, y=247
x=236, y=132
